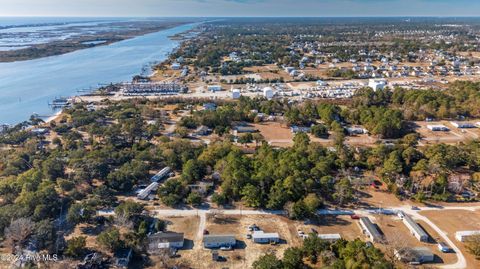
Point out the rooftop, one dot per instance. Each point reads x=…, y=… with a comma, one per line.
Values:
x=372, y=229
x=414, y=225
x=219, y=238
x=166, y=237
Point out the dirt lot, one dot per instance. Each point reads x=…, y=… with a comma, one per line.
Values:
x=458, y=220
x=275, y=133
x=379, y=198
x=89, y=231
x=246, y=251
x=397, y=236
x=343, y=225
x=186, y=225
x=278, y=134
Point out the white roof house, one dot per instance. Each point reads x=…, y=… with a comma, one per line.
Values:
x=214, y=88
x=414, y=228
x=416, y=255
x=330, y=237
x=160, y=175
x=321, y=83
x=377, y=84
x=438, y=128
x=268, y=92
x=371, y=230
x=236, y=93
x=143, y=194
x=461, y=125
x=356, y=130
x=262, y=237
x=176, y=66
x=463, y=236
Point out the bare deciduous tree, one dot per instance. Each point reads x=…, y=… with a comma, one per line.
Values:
x=18, y=231
x=395, y=243
x=123, y=221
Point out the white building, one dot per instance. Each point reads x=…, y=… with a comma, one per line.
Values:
x=262, y=237
x=330, y=237
x=143, y=194
x=417, y=255
x=162, y=174
x=214, y=88
x=268, y=92
x=463, y=236
x=236, y=93
x=176, y=66
x=165, y=240
x=370, y=230
x=478, y=124
x=289, y=69
x=438, y=128
x=218, y=241
x=377, y=84
x=321, y=83
x=356, y=130
x=414, y=228
x=462, y=125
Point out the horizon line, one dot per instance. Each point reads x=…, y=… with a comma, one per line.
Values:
x=263, y=16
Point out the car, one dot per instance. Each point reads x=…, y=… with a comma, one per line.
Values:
x=205, y=232
x=415, y=207
x=354, y=216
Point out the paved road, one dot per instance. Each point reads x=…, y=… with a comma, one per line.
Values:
x=459, y=264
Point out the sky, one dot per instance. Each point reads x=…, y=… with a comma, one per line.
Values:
x=226, y=8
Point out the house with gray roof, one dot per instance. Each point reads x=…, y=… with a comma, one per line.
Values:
x=218, y=241
x=370, y=230
x=165, y=240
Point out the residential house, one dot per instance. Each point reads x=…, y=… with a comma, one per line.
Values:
x=262, y=237
x=413, y=227
x=465, y=236
x=438, y=128
x=330, y=237
x=201, y=131
x=165, y=240
x=370, y=230
x=218, y=241
x=417, y=255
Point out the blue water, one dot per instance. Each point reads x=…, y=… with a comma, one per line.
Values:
x=26, y=87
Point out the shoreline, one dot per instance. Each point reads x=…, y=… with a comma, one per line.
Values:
x=57, y=114
x=69, y=84
x=54, y=116
x=56, y=48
